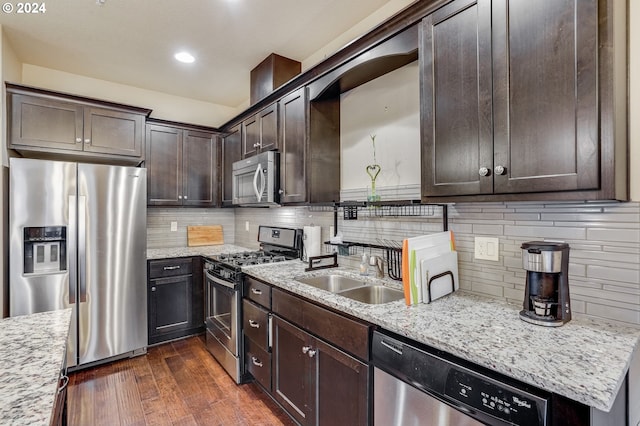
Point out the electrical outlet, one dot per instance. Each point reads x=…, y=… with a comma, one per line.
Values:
x=487, y=248
x=174, y=226
x=246, y=226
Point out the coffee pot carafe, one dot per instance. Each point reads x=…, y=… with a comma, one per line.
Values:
x=546, y=294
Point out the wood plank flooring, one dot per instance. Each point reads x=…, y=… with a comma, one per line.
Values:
x=177, y=383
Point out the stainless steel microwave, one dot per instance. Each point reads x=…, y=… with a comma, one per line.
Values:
x=256, y=180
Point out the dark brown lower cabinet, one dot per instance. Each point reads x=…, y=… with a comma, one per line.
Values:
x=317, y=383
x=175, y=299
x=59, y=412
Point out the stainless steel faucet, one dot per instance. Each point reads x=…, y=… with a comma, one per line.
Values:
x=379, y=265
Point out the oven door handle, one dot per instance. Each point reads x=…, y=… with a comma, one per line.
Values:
x=219, y=281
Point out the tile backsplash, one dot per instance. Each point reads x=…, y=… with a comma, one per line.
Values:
x=159, y=234
x=604, y=265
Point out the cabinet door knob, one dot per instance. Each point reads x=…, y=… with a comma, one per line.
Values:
x=78, y=140
x=483, y=171
x=256, y=361
x=179, y=197
x=87, y=141
x=499, y=170
x=280, y=191
x=184, y=197
x=305, y=349
x=153, y=289
x=311, y=353
x=254, y=324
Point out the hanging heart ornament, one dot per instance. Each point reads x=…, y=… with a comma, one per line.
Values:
x=373, y=170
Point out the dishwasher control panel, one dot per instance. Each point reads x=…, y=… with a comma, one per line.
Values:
x=475, y=392
x=497, y=400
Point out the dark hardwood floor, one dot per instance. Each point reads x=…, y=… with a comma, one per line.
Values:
x=177, y=383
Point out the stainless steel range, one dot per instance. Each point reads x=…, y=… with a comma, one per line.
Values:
x=223, y=292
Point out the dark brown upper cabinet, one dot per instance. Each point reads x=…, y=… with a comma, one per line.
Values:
x=182, y=166
x=515, y=106
x=260, y=131
x=231, y=152
x=309, y=172
x=293, y=142
x=55, y=125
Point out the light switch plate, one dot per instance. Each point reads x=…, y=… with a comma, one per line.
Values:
x=174, y=226
x=487, y=248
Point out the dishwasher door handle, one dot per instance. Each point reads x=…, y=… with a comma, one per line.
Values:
x=391, y=347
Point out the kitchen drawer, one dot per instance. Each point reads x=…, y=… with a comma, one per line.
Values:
x=288, y=306
x=170, y=267
x=257, y=291
x=345, y=333
x=255, y=323
x=258, y=363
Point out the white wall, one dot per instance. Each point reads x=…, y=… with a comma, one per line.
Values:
x=164, y=106
x=634, y=98
x=389, y=108
x=9, y=69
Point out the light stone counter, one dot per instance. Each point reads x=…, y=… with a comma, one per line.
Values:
x=32, y=350
x=166, y=253
x=585, y=360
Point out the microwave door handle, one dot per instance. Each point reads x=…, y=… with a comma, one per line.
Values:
x=255, y=183
x=263, y=181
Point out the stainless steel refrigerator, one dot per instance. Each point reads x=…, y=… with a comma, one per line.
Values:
x=78, y=240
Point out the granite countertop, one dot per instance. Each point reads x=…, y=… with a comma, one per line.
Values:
x=166, y=253
x=32, y=352
x=585, y=360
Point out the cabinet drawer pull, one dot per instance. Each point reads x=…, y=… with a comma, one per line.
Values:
x=256, y=291
x=171, y=268
x=256, y=361
x=65, y=379
x=305, y=349
x=254, y=324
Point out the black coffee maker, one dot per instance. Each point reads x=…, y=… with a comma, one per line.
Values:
x=546, y=294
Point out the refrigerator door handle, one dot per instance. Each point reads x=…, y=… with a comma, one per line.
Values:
x=82, y=247
x=73, y=261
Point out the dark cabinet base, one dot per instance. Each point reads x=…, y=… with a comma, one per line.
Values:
x=175, y=299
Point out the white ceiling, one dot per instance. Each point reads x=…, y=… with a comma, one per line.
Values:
x=132, y=42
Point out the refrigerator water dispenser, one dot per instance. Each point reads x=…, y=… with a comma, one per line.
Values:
x=45, y=249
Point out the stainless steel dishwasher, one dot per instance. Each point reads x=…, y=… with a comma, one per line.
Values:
x=415, y=387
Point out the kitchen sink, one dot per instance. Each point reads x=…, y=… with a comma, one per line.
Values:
x=353, y=289
x=374, y=294
x=332, y=283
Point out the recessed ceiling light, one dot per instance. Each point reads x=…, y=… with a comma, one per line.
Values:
x=185, y=57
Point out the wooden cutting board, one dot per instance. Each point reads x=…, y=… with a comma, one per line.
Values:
x=204, y=235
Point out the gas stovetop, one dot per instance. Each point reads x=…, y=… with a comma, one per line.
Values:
x=250, y=258
x=276, y=245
